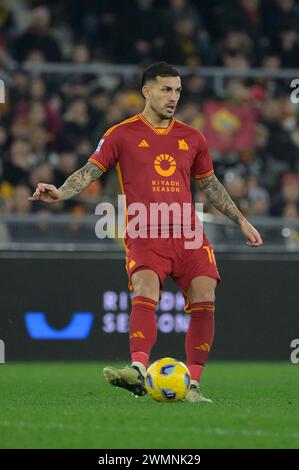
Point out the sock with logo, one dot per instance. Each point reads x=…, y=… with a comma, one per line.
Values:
x=199, y=338
x=142, y=330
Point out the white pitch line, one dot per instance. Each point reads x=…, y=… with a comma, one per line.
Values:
x=218, y=431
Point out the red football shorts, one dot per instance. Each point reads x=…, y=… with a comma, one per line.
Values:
x=168, y=256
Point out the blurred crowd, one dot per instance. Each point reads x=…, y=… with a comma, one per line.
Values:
x=186, y=32
x=51, y=123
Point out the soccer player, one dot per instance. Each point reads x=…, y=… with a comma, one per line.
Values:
x=156, y=156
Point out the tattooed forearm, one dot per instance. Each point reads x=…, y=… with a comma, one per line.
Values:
x=79, y=180
x=218, y=196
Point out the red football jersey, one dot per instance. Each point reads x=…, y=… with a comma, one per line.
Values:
x=154, y=165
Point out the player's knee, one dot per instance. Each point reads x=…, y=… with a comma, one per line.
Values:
x=145, y=289
x=202, y=289
x=202, y=296
x=146, y=284
x=208, y=296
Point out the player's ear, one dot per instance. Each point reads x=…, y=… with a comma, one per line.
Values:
x=145, y=91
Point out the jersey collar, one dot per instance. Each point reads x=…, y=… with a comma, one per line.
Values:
x=157, y=130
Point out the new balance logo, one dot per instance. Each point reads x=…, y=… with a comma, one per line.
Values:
x=183, y=145
x=143, y=143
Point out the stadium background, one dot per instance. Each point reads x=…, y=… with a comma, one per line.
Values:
x=69, y=74
x=70, y=71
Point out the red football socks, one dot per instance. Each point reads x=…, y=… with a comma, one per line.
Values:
x=142, y=329
x=199, y=337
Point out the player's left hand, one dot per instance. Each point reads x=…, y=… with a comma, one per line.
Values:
x=251, y=234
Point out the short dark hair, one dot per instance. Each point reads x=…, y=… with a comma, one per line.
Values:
x=158, y=69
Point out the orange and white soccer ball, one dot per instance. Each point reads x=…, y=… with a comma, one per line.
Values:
x=167, y=380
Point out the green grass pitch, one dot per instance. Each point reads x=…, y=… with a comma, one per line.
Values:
x=71, y=406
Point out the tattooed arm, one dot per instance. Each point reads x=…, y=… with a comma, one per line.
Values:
x=218, y=196
x=79, y=180
x=74, y=185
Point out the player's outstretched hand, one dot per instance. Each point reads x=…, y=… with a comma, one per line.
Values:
x=45, y=192
x=251, y=234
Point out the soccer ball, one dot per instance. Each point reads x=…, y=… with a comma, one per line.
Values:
x=167, y=380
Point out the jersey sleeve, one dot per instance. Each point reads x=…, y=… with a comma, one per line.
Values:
x=202, y=165
x=106, y=153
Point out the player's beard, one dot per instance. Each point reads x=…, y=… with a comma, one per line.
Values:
x=162, y=115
